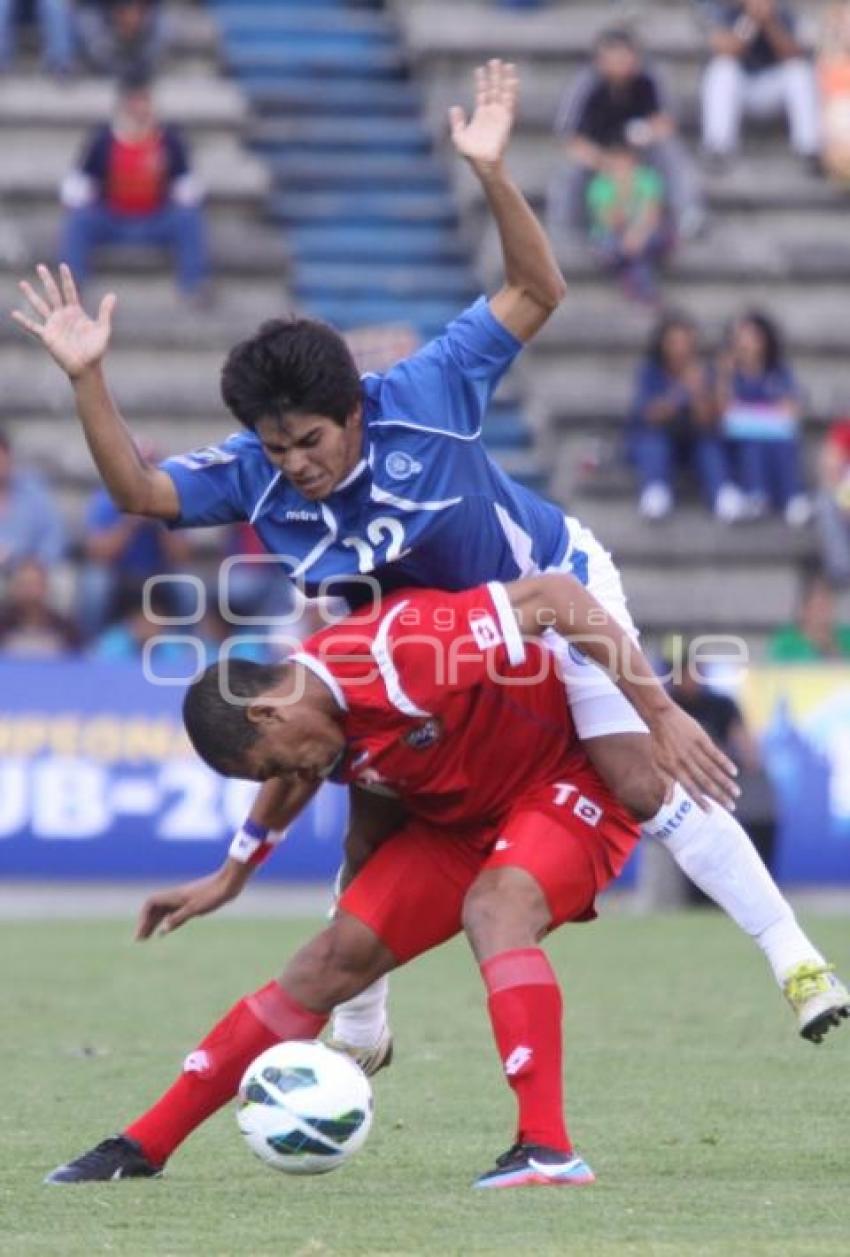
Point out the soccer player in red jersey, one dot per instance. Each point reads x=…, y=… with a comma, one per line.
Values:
x=442, y=700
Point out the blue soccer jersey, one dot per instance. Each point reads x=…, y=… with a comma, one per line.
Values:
x=425, y=506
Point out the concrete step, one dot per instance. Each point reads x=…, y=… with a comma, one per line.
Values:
x=374, y=209
x=598, y=390
x=35, y=106
x=335, y=60
x=247, y=248
x=274, y=94
x=331, y=135
x=230, y=175
x=373, y=172
x=368, y=278
x=763, y=182
x=731, y=253
x=400, y=244
x=295, y=21
x=446, y=31
x=667, y=597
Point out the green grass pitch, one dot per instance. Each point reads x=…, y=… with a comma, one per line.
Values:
x=712, y=1128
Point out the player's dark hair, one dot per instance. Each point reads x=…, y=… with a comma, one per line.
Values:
x=291, y=365
x=218, y=728
x=774, y=347
x=669, y=320
x=136, y=78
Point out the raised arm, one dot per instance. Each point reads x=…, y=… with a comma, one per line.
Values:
x=534, y=286
x=78, y=344
x=684, y=752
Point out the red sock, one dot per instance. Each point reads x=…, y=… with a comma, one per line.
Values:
x=525, y=1011
x=212, y=1073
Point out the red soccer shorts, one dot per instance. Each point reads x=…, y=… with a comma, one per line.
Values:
x=411, y=891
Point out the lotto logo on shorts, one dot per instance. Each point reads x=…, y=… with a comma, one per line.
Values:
x=585, y=809
x=588, y=812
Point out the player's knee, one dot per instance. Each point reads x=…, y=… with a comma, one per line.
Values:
x=504, y=909
x=642, y=791
x=626, y=764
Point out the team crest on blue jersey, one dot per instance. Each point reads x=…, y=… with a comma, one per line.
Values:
x=424, y=735
x=400, y=466
x=197, y=460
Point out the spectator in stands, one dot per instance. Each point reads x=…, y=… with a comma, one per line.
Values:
x=121, y=552
x=674, y=424
x=619, y=101
x=832, y=504
x=833, y=74
x=29, y=625
x=30, y=523
x=126, y=639
x=759, y=66
x=121, y=37
x=625, y=209
x=817, y=636
x=759, y=401
x=56, y=29
x=134, y=186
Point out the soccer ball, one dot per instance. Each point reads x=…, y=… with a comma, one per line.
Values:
x=304, y=1108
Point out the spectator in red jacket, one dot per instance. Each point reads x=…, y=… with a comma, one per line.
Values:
x=134, y=186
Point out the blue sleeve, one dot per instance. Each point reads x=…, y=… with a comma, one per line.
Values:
x=447, y=385
x=210, y=485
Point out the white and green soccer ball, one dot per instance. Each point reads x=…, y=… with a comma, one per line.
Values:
x=304, y=1108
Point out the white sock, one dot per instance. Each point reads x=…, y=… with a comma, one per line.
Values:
x=714, y=851
x=360, y=1021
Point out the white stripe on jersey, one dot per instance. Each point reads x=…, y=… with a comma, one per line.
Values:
x=319, y=550
x=262, y=500
x=421, y=427
x=407, y=504
x=519, y=541
x=401, y=701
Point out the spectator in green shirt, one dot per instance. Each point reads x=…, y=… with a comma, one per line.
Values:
x=625, y=208
x=816, y=637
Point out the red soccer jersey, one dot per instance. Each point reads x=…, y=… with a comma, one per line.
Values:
x=448, y=707
x=136, y=176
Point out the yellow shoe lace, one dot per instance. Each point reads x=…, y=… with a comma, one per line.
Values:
x=806, y=981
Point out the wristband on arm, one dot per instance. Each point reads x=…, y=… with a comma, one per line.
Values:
x=253, y=843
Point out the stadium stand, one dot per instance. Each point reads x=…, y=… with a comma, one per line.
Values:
x=329, y=186
x=778, y=238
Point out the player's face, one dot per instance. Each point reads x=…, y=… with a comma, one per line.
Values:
x=312, y=451
x=294, y=740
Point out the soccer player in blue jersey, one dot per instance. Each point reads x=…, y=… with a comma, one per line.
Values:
x=386, y=478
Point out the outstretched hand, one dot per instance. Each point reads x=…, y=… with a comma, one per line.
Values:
x=685, y=753
x=484, y=138
x=165, y=911
x=73, y=339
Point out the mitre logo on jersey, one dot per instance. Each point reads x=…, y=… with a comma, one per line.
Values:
x=301, y=517
x=484, y=630
x=400, y=466
x=424, y=735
